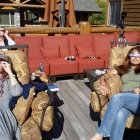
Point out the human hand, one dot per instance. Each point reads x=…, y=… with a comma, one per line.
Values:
x=7, y=67
x=6, y=33
x=136, y=90
x=104, y=90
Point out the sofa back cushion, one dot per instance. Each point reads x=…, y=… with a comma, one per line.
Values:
x=117, y=55
x=129, y=36
x=84, y=50
x=20, y=64
x=102, y=45
x=34, y=43
x=81, y=40
x=23, y=106
x=50, y=52
x=60, y=43
x=30, y=130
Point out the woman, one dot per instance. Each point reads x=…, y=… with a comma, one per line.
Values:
x=9, y=87
x=123, y=104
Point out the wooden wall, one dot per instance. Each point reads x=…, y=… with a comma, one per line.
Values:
x=132, y=8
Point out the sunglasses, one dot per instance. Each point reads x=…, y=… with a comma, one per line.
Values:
x=134, y=55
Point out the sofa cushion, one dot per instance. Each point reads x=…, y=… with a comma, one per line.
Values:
x=38, y=106
x=30, y=130
x=84, y=50
x=50, y=52
x=117, y=55
x=90, y=64
x=129, y=36
x=79, y=39
x=114, y=82
x=34, y=43
x=55, y=41
x=60, y=66
x=96, y=104
x=23, y=106
x=133, y=122
x=19, y=64
x=102, y=44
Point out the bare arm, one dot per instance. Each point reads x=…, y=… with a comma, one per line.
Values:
x=16, y=89
x=10, y=40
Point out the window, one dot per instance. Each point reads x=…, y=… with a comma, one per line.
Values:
x=7, y=18
x=33, y=18
x=114, y=12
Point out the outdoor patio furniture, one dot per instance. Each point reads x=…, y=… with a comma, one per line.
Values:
x=90, y=51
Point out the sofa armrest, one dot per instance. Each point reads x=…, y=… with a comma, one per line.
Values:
x=113, y=81
x=42, y=110
x=98, y=101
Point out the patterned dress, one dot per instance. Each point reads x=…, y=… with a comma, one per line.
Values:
x=9, y=129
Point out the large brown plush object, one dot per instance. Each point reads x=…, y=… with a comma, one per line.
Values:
x=22, y=108
x=38, y=107
x=30, y=130
x=117, y=55
x=20, y=64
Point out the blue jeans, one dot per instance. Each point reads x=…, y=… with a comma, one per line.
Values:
x=119, y=108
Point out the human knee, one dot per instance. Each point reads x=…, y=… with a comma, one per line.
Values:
x=122, y=115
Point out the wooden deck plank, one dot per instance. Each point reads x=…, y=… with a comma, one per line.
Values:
x=72, y=113
x=78, y=110
x=66, y=125
x=77, y=107
x=74, y=121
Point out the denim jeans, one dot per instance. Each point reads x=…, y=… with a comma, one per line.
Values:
x=119, y=108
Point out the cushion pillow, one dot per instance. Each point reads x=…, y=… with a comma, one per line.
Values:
x=84, y=51
x=114, y=83
x=23, y=106
x=38, y=107
x=30, y=130
x=117, y=55
x=20, y=65
x=50, y=52
x=98, y=100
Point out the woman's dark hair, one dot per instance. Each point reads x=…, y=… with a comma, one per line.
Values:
x=125, y=67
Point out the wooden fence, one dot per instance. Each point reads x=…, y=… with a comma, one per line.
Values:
x=84, y=28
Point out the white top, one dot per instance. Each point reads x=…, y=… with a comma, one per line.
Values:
x=10, y=42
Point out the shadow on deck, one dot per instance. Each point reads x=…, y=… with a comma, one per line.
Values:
x=74, y=119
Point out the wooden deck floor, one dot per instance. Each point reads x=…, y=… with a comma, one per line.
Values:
x=74, y=120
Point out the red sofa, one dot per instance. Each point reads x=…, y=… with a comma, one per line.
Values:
x=52, y=50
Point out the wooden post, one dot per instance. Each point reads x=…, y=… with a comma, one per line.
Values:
x=85, y=27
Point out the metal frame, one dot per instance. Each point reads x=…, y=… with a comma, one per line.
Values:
x=124, y=43
x=15, y=47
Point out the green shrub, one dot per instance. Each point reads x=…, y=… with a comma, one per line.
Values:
x=99, y=18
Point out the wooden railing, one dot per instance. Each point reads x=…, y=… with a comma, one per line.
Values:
x=83, y=28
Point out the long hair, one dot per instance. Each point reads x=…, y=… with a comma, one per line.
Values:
x=125, y=67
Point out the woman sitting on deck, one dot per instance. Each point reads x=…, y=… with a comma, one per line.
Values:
x=121, y=105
